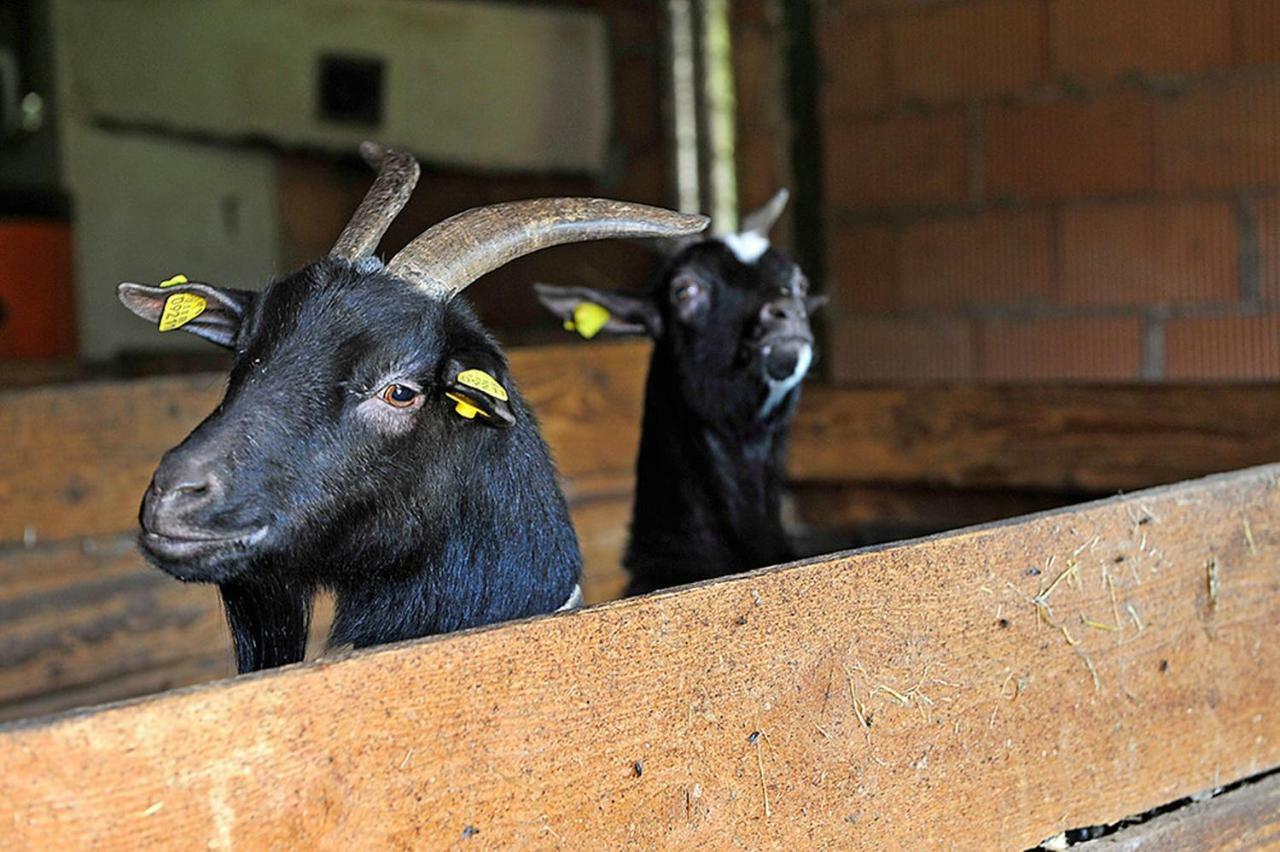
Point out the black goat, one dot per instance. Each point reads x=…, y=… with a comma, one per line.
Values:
x=370, y=440
x=730, y=322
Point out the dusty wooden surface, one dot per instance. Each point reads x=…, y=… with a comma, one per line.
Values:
x=1245, y=818
x=912, y=696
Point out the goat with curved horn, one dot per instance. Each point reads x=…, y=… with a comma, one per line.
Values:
x=372, y=441
x=448, y=257
x=397, y=176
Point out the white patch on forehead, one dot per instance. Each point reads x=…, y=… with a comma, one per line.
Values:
x=747, y=247
x=779, y=388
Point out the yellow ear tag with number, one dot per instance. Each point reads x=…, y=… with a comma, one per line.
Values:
x=483, y=382
x=180, y=309
x=175, y=280
x=588, y=319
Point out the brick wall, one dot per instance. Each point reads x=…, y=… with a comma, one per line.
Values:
x=1022, y=190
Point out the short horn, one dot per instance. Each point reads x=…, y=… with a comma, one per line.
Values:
x=761, y=221
x=449, y=256
x=397, y=176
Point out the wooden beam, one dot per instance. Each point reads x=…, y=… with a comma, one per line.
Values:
x=80, y=456
x=991, y=687
x=1050, y=438
x=1245, y=818
x=88, y=622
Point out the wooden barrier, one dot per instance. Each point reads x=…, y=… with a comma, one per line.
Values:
x=82, y=620
x=987, y=688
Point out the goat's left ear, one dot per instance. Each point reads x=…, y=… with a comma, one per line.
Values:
x=590, y=312
x=812, y=303
x=213, y=313
x=475, y=381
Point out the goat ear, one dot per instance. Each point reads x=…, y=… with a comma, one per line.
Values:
x=812, y=303
x=213, y=313
x=475, y=382
x=590, y=312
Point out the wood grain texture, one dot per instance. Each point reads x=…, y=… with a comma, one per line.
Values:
x=1245, y=818
x=1053, y=438
x=79, y=456
x=907, y=696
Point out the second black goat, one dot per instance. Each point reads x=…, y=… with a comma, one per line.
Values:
x=729, y=317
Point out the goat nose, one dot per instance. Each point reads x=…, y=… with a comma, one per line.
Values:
x=779, y=312
x=183, y=479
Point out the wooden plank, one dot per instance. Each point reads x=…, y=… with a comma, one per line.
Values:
x=1051, y=438
x=78, y=457
x=1245, y=818
x=89, y=622
x=898, y=697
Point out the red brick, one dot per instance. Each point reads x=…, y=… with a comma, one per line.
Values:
x=1088, y=349
x=1221, y=137
x=862, y=270
x=1255, y=28
x=971, y=49
x=993, y=258
x=1267, y=222
x=1229, y=348
x=1071, y=149
x=896, y=161
x=1100, y=39
x=895, y=349
x=855, y=64
x=1133, y=254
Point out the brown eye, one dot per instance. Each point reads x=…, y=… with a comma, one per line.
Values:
x=400, y=396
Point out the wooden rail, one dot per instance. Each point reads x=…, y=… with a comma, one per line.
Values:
x=82, y=620
x=988, y=688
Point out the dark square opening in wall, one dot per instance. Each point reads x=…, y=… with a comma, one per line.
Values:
x=351, y=90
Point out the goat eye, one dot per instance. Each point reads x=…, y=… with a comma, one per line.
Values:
x=685, y=292
x=400, y=396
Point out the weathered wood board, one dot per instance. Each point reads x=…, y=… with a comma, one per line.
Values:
x=988, y=689
x=75, y=459
x=1049, y=438
x=1245, y=818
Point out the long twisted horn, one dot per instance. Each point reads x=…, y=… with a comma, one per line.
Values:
x=397, y=176
x=449, y=256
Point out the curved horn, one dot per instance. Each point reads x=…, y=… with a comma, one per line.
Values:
x=397, y=175
x=449, y=256
x=760, y=221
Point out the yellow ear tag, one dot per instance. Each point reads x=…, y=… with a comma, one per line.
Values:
x=175, y=280
x=483, y=382
x=180, y=309
x=464, y=406
x=588, y=319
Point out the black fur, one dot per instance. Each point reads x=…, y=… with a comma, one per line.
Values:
x=710, y=472
x=420, y=523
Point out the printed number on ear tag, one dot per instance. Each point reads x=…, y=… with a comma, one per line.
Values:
x=464, y=407
x=588, y=319
x=483, y=382
x=180, y=309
